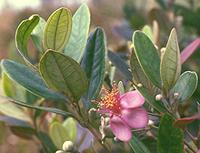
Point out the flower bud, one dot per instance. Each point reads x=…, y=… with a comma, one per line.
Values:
x=92, y=114
x=139, y=85
x=158, y=97
x=60, y=151
x=176, y=94
x=68, y=146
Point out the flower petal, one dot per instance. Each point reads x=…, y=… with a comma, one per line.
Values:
x=131, y=99
x=120, y=129
x=135, y=118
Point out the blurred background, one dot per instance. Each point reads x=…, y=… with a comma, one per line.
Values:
x=119, y=18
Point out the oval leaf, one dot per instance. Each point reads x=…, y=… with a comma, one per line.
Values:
x=63, y=74
x=147, y=56
x=186, y=85
x=170, y=139
x=94, y=64
x=29, y=80
x=79, y=34
x=58, y=134
x=57, y=30
x=170, y=67
x=23, y=34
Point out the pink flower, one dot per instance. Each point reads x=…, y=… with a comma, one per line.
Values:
x=198, y=151
x=125, y=112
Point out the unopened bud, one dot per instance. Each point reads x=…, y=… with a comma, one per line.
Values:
x=162, y=50
x=139, y=85
x=68, y=146
x=158, y=97
x=176, y=94
x=60, y=151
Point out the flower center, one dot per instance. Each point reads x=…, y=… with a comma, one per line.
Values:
x=111, y=100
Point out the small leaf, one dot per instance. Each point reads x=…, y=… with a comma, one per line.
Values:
x=37, y=34
x=58, y=134
x=71, y=127
x=170, y=67
x=158, y=105
x=23, y=34
x=29, y=80
x=186, y=85
x=147, y=56
x=79, y=34
x=94, y=64
x=120, y=64
x=63, y=74
x=170, y=139
x=58, y=29
x=183, y=122
x=137, y=146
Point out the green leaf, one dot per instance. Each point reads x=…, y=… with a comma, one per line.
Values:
x=16, y=91
x=158, y=105
x=64, y=74
x=11, y=110
x=94, y=64
x=148, y=31
x=147, y=56
x=29, y=80
x=37, y=34
x=170, y=139
x=170, y=67
x=58, y=29
x=48, y=109
x=58, y=134
x=23, y=34
x=71, y=127
x=120, y=64
x=137, y=146
x=78, y=38
x=186, y=85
